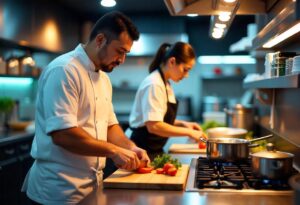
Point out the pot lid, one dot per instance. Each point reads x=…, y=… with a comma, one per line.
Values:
x=271, y=153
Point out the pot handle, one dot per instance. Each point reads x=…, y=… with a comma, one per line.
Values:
x=261, y=138
x=253, y=145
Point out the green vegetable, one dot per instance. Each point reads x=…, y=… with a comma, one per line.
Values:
x=160, y=160
x=211, y=124
x=6, y=104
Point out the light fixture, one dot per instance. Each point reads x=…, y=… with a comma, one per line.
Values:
x=230, y=59
x=192, y=15
x=281, y=37
x=226, y=10
x=15, y=81
x=108, y=3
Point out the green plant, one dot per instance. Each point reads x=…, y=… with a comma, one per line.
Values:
x=6, y=104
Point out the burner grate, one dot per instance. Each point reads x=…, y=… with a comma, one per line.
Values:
x=218, y=175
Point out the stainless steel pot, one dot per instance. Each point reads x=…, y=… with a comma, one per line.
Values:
x=272, y=164
x=240, y=116
x=229, y=149
x=226, y=132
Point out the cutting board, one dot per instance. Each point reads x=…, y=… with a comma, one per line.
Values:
x=186, y=148
x=122, y=179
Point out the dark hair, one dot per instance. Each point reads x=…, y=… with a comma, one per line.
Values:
x=183, y=52
x=112, y=25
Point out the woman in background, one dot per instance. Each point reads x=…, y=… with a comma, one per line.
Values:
x=153, y=116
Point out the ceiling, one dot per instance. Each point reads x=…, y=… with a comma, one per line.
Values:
x=93, y=8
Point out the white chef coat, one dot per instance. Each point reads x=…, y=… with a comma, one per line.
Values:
x=150, y=102
x=70, y=94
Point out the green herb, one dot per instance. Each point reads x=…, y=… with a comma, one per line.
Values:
x=160, y=160
x=211, y=124
x=6, y=104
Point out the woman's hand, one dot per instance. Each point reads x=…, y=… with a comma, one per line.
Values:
x=191, y=125
x=196, y=134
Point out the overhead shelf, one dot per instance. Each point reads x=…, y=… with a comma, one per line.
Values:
x=222, y=77
x=289, y=81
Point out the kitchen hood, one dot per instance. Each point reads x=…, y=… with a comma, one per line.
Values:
x=210, y=7
x=148, y=43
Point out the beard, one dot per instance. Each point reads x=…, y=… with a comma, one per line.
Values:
x=106, y=67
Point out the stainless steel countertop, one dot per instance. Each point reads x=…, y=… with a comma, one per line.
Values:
x=159, y=197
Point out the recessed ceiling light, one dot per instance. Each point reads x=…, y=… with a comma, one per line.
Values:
x=192, y=15
x=108, y=3
x=229, y=1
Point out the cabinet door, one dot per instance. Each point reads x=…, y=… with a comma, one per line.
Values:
x=10, y=181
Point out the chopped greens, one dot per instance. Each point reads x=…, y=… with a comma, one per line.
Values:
x=160, y=160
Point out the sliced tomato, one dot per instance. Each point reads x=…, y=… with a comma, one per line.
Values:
x=144, y=170
x=202, y=145
x=172, y=171
x=167, y=166
x=160, y=171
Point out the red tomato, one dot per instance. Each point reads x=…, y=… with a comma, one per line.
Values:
x=143, y=164
x=202, y=145
x=144, y=170
x=160, y=171
x=168, y=166
x=172, y=171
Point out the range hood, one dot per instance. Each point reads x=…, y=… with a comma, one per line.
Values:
x=210, y=7
x=148, y=43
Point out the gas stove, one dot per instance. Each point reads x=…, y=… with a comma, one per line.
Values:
x=211, y=176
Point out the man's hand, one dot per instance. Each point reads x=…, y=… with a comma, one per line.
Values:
x=196, y=134
x=126, y=159
x=141, y=153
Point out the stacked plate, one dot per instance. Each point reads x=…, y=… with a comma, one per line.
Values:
x=296, y=65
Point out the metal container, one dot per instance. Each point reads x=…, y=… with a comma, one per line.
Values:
x=294, y=182
x=213, y=104
x=226, y=132
x=272, y=164
x=229, y=149
x=241, y=116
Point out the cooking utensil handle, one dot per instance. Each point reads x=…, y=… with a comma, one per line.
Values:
x=253, y=145
x=261, y=138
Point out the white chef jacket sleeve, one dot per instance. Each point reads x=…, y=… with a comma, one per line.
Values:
x=61, y=102
x=153, y=103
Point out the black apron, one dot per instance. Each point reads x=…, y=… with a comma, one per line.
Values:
x=153, y=143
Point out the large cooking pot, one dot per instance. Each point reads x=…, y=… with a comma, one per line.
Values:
x=272, y=164
x=227, y=132
x=240, y=116
x=229, y=149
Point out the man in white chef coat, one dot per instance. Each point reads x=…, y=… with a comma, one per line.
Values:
x=76, y=127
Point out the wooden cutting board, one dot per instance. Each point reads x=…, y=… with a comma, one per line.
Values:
x=186, y=148
x=122, y=179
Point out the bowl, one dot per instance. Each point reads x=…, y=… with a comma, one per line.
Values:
x=19, y=125
x=227, y=132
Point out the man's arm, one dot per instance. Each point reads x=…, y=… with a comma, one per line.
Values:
x=78, y=141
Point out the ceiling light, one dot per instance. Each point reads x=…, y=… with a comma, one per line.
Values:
x=281, y=37
x=229, y=1
x=217, y=35
x=220, y=25
x=231, y=59
x=192, y=15
x=224, y=16
x=108, y=3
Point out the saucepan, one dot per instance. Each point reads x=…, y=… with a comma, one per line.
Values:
x=229, y=149
x=227, y=132
x=272, y=164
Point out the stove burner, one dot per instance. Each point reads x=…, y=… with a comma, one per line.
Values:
x=217, y=175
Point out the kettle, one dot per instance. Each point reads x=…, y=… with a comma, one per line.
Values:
x=240, y=116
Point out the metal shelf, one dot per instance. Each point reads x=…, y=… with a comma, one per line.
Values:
x=222, y=77
x=289, y=81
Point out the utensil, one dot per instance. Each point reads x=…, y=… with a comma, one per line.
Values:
x=272, y=164
x=229, y=149
x=226, y=132
x=240, y=116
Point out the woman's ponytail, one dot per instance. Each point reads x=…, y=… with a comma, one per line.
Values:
x=159, y=57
